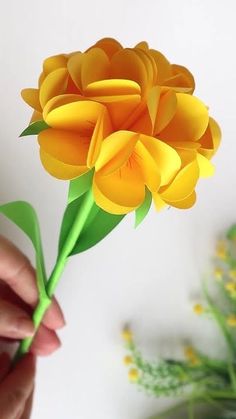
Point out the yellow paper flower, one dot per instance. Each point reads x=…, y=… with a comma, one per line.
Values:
x=130, y=114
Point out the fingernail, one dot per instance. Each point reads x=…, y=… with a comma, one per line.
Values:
x=23, y=326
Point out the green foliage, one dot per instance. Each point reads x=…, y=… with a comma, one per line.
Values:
x=35, y=128
x=198, y=378
x=24, y=216
x=98, y=225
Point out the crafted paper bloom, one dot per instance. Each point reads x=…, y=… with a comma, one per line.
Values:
x=129, y=114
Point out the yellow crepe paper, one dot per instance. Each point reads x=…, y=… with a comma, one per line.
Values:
x=130, y=114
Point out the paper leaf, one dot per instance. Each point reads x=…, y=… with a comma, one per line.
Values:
x=79, y=186
x=143, y=210
x=24, y=216
x=231, y=233
x=35, y=128
x=97, y=226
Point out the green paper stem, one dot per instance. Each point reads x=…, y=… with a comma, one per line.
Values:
x=66, y=250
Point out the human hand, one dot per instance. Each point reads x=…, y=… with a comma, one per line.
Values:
x=18, y=296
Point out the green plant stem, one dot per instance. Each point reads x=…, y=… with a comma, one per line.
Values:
x=46, y=298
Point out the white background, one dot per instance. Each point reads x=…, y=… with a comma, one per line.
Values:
x=146, y=276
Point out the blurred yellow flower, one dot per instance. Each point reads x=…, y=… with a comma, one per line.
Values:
x=130, y=114
x=231, y=320
x=133, y=375
x=198, y=309
x=191, y=356
x=127, y=335
x=232, y=274
x=128, y=360
x=230, y=286
x=218, y=273
x=221, y=250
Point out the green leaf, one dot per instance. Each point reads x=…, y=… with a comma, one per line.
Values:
x=143, y=210
x=80, y=185
x=97, y=226
x=231, y=233
x=24, y=216
x=35, y=128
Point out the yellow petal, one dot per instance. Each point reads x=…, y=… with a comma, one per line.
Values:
x=163, y=66
x=74, y=66
x=183, y=184
x=53, y=85
x=126, y=64
x=95, y=66
x=112, y=87
x=158, y=202
x=102, y=129
x=189, y=122
x=151, y=70
x=109, y=45
x=121, y=191
x=148, y=166
x=210, y=141
x=78, y=116
x=66, y=146
x=184, y=203
x=166, y=110
x=206, y=168
x=153, y=103
x=120, y=108
x=60, y=100
x=166, y=158
x=187, y=79
x=31, y=97
x=36, y=116
x=116, y=150
x=53, y=63
x=59, y=169
x=142, y=45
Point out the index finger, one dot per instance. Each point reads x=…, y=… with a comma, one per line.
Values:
x=17, y=272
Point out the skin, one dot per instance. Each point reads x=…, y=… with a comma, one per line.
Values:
x=18, y=296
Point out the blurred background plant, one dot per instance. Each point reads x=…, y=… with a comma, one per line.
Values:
x=205, y=386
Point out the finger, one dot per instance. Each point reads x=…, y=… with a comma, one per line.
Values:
x=28, y=407
x=17, y=388
x=15, y=323
x=54, y=318
x=46, y=342
x=17, y=272
x=5, y=363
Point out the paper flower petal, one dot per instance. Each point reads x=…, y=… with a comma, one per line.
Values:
x=54, y=84
x=121, y=191
x=109, y=46
x=80, y=116
x=102, y=129
x=150, y=172
x=185, y=203
x=189, y=122
x=66, y=146
x=112, y=87
x=210, y=140
x=116, y=150
x=59, y=169
x=183, y=184
x=31, y=96
x=95, y=66
x=166, y=158
x=126, y=64
x=206, y=168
